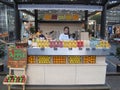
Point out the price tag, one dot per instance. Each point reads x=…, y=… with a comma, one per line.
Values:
x=80, y=48
x=42, y=48
x=93, y=48
x=70, y=48
x=87, y=49
x=55, y=48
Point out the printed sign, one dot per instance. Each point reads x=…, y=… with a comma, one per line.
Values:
x=17, y=57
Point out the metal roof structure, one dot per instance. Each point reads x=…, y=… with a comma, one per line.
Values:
x=85, y=2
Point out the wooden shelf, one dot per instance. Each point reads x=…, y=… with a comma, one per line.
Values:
x=54, y=21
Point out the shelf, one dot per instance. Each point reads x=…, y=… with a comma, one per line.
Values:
x=104, y=64
x=13, y=83
x=53, y=21
x=66, y=51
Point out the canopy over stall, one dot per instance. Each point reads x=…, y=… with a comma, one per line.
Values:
x=96, y=5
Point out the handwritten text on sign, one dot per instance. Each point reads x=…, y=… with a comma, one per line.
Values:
x=17, y=54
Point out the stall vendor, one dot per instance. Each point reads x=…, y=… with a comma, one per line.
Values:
x=40, y=34
x=65, y=35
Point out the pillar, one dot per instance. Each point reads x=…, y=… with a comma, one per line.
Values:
x=103, y=22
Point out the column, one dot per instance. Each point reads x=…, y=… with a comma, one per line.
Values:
x=36, y=20
x=103, y=22
x=86, y=20
x=17, y=23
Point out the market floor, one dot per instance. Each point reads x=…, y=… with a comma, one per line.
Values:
x=113, y=81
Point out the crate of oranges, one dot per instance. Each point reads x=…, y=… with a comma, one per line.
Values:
x=89, y=59
x=31, y=60
x=59, y=59
x=43, y=59
x=74, y=59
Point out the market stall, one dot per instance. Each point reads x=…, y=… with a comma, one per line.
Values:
x=67, y=63
x=72, y=62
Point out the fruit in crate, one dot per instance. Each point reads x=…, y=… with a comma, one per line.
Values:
x=103, y=44
x=74, y=59
x=59, y=59
x=43, y=59
x=79, y=43
x=31, y=59
x=15, y=79
x=89, y=59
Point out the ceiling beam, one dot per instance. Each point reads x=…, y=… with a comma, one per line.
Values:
x=113, y=5
x=28, y=12
x=93, y=13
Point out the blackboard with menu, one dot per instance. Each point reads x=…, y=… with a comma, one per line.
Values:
x=17, y=57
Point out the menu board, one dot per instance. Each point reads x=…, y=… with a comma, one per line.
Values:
x=17, y=57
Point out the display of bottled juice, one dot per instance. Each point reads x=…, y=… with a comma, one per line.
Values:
x=74, y=59
x=59, y=59
x=31, y=60
x=43, y=59
x=89, y=59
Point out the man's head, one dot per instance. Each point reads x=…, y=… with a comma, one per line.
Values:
x=66, y=30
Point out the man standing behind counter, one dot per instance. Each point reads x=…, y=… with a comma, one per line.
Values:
x=65, y=35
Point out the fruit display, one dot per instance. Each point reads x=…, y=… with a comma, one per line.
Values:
x=69, y=44
x=43, y=43
x=103, y=44
x=89, y=59
x=31, y=60
x=47, y=16
x=75, y=17
x=74, y=59
x=80, y=43
x=43, y=59
x=99, y=44
x=93, y=44
x=59, y=59
x=68, y=17
x=15, y=79
x=56, y=44
x=86, y=43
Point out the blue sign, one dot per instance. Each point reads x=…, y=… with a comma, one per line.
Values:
x=110, y=29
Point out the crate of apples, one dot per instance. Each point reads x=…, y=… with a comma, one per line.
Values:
x=14, y=79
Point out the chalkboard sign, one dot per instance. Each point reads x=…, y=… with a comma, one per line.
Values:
x=17, y=57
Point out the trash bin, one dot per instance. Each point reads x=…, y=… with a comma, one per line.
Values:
x=1, y=67
x=118, y=67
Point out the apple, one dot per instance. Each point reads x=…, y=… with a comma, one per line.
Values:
x=23, y=76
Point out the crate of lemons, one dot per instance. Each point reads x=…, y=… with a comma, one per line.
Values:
x=103, y=44
x=74, y=60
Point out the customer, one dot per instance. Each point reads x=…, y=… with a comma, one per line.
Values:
x=65, y=35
